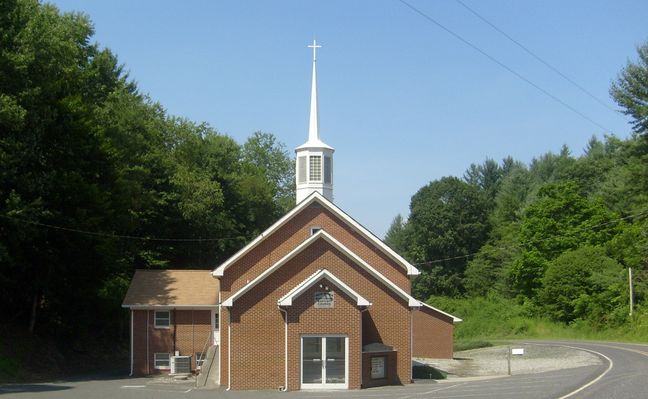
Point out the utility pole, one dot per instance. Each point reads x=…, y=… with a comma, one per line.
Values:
x=631, y=291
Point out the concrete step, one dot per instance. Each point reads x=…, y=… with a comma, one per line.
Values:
x=209, y=372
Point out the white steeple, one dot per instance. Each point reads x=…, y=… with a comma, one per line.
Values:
x=313, y=126
x=314, y=158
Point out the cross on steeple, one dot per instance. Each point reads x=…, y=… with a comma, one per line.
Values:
x=314, y=46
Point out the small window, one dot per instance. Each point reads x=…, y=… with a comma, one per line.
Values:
x=162, y=360
x=216, y=321
x=328, y=174
x=301, y=170
x=162, y=318
x=199, y=359
x=315, y=229
x=315, y=168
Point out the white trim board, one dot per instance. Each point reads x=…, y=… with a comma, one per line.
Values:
x=287, y=299
x=339, y=246
x=317, y=197
x=170, y=307
x=455, y=319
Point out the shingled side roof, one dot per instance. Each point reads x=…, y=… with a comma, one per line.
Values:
x=172, y=288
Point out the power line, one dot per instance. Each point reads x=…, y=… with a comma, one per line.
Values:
x=537, y=57
x=509, y=69
x=431, y=262
x=119, y=236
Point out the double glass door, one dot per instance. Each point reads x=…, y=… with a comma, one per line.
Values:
x=324, y=362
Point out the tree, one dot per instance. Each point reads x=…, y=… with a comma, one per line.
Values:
x=561, y=219
x=630, y=91
x=487, y=176
x=584, y=284
x=485, y=272
x=93, y=174
x=270, y=158
x=448, y=220
x=396, y=234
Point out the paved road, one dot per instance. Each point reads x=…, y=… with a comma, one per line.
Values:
x=626, y=375
x=623, y=373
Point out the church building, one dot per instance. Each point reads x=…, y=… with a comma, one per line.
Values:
x=314, y=302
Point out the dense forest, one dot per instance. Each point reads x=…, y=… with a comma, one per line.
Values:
x=97, y=179
x=556, y=236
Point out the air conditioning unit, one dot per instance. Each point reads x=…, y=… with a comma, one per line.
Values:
x=180, y=364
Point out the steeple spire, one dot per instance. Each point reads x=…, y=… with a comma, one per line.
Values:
x=314, y=157
x=313, y=126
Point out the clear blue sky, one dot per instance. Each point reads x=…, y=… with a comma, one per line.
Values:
x=401, y=100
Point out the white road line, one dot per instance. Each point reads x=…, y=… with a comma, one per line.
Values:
x=625, y=349
x=595, y=380
x=481, y=395
x=133, y=386
x=442, y=389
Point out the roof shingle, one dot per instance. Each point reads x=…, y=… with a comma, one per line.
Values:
x=172, y=288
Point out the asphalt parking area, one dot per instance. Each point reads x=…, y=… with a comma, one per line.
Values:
x=543, y=385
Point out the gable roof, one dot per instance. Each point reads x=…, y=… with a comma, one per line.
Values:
x=339, y=246
x=172, y=288
x=317, y=197
x=455, y=319
x=287, y=299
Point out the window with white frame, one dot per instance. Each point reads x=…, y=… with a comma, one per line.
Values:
x=162, y=319
x=162, y=360
x=315, y=168
x=315, y=229
x=200, y=359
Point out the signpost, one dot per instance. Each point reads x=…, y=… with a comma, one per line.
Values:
x=516, y=352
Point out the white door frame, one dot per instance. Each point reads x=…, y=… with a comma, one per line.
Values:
x=323, y=384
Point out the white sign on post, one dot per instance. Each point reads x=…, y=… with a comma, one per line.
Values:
x=517, y=351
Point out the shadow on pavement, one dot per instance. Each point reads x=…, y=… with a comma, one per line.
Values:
x=22, y=388
x=96, y=376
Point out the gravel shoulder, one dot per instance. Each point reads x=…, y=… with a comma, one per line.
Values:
x=493, y=361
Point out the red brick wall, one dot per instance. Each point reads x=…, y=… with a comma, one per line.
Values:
x=432, y=334
x=191, y=328
x=293, y=233
x=257, y=329
x=140, y=365
x=342, y=319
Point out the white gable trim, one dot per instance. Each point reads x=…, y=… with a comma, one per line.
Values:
x=338, y=245
x=411, y=270
x=287, y=299
x=455, y=319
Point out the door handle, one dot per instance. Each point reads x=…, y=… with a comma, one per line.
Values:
x=317, y=360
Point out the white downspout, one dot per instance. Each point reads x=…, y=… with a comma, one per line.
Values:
x=131, y=343
x=285, y=312
x=412, y=340
x=220, y=344
x=361, y=353
x=229, y=349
